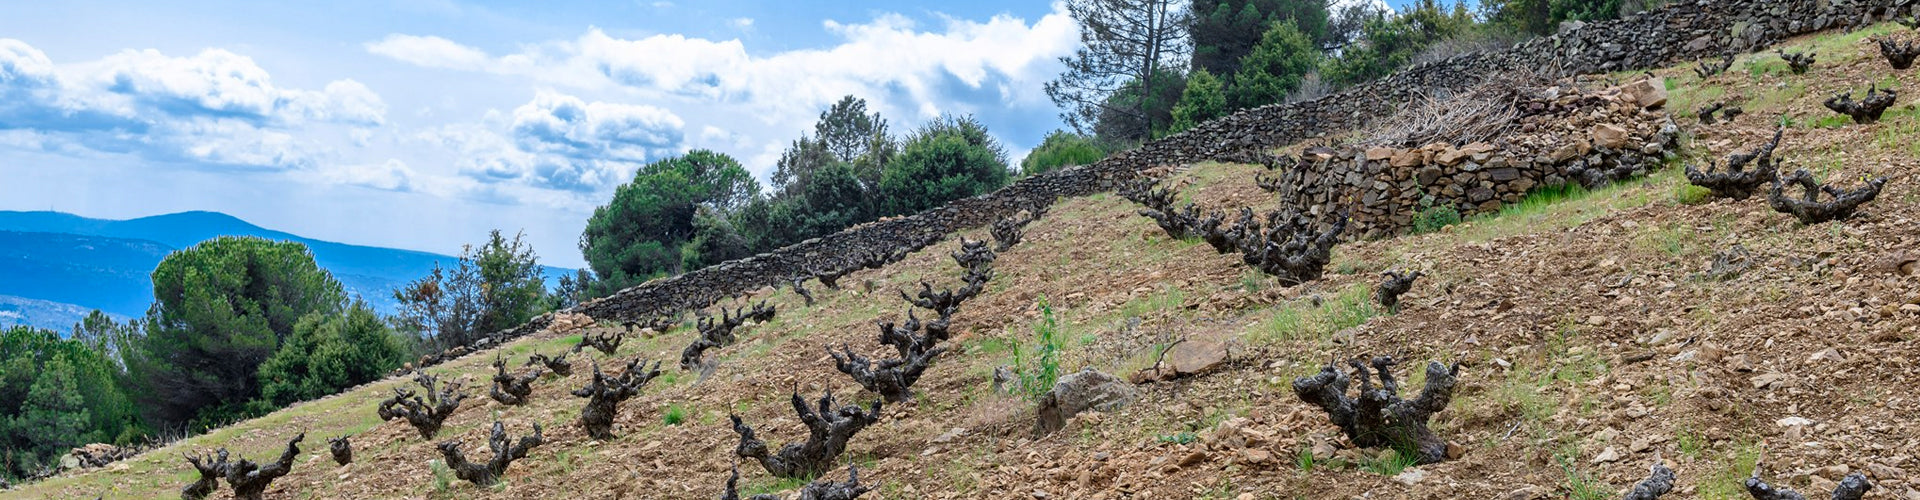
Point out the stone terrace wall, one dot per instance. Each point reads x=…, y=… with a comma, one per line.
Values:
x=1685, y=30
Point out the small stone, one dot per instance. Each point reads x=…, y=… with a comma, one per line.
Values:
x=1193, y=458
x=1608, y=455
x=1411, y=476
x=1455, y=451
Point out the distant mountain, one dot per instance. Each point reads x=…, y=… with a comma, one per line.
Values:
x=56, y=316
x=60, y=258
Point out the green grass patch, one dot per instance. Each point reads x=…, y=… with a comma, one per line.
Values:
x=1728, y=481
x=1302, y=320
x=1177, y=438
x=674, y=415
x=1167, y=297
x=1689, y=194
x=1391, y=463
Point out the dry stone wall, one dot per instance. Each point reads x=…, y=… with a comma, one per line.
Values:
x=1685, y=30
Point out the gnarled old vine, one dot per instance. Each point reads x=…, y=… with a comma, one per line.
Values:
x=1378, y=417
x=425, y=414
x=1397, y=283
x=509, y=389
x=341, y=448
x=892, y=378
x=719, y=333
x=824, y=489
x=488, y=473
x=828, y=428
x=249, y=480
x=1865, y=110
x=1157, y=203
x=1808, y=207
x=1736, y=181
x=557, y=364
x=1726, y=113
x=1853, y=487
x=1797, y=62
x=211, y=467
x=605, y=393
x=1707, y=70
x=604, y=342
x=1290, y=248
x=1659, y=482
x=1900, y=54
x=1007, y=231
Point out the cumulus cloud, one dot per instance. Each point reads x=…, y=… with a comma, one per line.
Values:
x=568, y=126
x=899, y=67
x=215, y=107
x=562, y=142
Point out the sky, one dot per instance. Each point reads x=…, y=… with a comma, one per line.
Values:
x=422, y=124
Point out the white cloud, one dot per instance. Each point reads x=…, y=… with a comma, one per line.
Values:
x=390, y=175
x=561, y=142
x=213, y=108
x=906, y=72
x=429, y=51
x=742, y=23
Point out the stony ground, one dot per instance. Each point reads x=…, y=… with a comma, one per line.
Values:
x=1593, y=345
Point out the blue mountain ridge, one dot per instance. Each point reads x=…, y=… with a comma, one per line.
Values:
x=56, y=259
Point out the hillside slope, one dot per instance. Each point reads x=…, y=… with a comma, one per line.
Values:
x=1591, y=347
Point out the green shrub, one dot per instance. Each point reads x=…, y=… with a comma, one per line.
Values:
x=1433, y=217
x=675, y=415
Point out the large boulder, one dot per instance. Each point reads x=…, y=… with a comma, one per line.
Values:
x=1089, y=389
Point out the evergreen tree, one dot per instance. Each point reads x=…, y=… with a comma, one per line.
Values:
x=221, y=308
x=640, y=233
x=327, y=354
x=1203, y=100
x=946, y=159
x=1275, y=68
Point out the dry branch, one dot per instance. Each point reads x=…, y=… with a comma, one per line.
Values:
x=341, y=448
x=557, y=364
x=425, y=414
x=1899, y=54
x=605, y=393
x=1866, y=110
x=1378, y=417
x=249, y=480
x=1736, y=181
x=509, y=389
x=488, y=473
x=1809, y=209
x=828, y=431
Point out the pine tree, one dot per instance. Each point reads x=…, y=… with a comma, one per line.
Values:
x=1203, y=100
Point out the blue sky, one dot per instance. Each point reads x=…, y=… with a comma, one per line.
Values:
x=422, y=124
